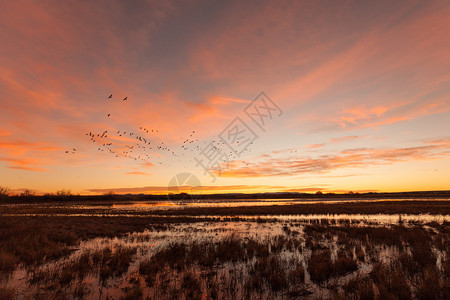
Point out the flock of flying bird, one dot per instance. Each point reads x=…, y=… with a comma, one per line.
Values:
x=144, y=145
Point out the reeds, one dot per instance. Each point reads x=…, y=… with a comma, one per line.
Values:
x=191, y=285
x=402, y=259
x=321, y=267
x=132, y=293
x=8, y=262
x=391, y=282
x=7, y=293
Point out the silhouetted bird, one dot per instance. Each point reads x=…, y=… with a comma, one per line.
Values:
x=110, y=96
x=109, y=115
x=125, y=98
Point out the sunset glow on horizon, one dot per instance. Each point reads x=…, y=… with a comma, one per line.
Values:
x=363, y=89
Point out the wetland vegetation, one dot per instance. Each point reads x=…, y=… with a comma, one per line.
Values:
x=95, y=251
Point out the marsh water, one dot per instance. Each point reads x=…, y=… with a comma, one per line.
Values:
x=181, y=204
x=222, y=257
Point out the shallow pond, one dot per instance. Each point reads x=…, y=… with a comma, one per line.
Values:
x=236, y=257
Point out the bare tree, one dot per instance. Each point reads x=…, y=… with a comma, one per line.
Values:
x=64, y=193
x=5, y=192
x=27, y=193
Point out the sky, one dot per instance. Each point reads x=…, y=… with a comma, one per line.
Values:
x=330, y=96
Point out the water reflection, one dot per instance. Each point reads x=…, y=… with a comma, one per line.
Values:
x=239, y=257
x=354, y=219
x=161, y=205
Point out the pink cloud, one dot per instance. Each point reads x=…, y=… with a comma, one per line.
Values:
x=350, y=158
x=344, y=138
x=330, y=67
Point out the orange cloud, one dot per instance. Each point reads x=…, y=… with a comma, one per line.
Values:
x=350, y=158
x=210, y=189
x=334, y=140
x=25, y=168
x=17, y=153
x=314, y=146
x=330, y=67
x=4, y=132
x=358, y=117
x=23, y=164
x=147, y=165
x=137, y=173
x=216, y=107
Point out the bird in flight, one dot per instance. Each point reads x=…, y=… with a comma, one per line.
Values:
x=125, y=98
x=109, y=115
x=110, y=96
